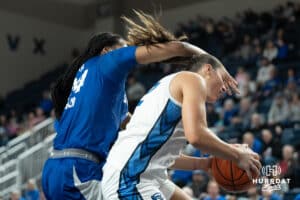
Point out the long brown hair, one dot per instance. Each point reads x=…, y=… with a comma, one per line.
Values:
x=149, y=33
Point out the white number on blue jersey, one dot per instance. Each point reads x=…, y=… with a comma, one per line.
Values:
x=77, y=85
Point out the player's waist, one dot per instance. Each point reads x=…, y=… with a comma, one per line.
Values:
x=75, y=153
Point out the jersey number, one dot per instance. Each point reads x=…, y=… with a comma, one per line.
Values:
x=77, y=85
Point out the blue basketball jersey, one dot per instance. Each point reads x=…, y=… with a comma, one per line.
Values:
x=97, y=103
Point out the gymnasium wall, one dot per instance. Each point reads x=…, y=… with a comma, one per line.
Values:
x=30, y=47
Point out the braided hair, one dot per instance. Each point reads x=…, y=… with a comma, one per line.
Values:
x=62, y=88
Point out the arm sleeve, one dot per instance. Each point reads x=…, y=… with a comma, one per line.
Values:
x=118, y=63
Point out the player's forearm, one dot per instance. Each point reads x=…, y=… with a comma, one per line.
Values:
x=207, y=141
x=190, y=50
x=191, y=163
x=165, y=51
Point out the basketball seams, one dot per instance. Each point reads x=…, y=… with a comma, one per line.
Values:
x=240, y=176
x=226, y=180
x=220, y=172
x=232, y=179
x=240, y=185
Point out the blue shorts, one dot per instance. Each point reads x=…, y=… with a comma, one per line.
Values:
x=72, y=178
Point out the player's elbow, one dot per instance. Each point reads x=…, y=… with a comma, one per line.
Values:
x=194, y=139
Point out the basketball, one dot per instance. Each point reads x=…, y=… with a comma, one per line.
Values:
x=229, y=176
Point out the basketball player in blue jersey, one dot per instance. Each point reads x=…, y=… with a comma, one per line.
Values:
x=136, y=166
x=90, y=105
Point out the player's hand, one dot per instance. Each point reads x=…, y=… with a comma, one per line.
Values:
x=248, y=161
x=230, y=83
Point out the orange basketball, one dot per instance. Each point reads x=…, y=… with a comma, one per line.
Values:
x=229, y=176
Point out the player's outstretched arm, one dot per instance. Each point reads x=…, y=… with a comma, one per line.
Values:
x=200, y=136
x=165, y=51
x=185, y=162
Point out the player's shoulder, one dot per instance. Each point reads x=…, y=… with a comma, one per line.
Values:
x=187, y=77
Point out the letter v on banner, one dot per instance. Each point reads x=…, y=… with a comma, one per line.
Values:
x=13, y=42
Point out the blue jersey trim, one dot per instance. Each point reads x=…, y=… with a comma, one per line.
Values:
x=140, y=158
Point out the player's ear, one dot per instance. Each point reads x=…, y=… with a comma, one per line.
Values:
x=208, y=69
x=105, y=50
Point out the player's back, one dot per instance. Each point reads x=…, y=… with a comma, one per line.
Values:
x=97, y=103
x=153, y=138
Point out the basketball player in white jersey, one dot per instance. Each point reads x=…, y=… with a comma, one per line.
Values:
x=137, y=164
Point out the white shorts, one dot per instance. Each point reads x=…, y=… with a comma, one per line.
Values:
x=148, y=186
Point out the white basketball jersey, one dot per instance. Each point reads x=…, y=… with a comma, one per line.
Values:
x=154, y=137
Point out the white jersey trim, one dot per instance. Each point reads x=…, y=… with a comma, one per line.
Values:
x=169, y=93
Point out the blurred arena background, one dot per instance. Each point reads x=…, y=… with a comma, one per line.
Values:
x=258, y=41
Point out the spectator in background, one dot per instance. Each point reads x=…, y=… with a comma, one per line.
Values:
x=248, y=87
x=199, y=182
x=36, y=117
x=13, y=128
x=271, y=147
x=31, y=120
x=243, y=117
x=46, y=103
x=252, y=193
x=287, y=159
x=270, y=51
x=229, y=111
x=291, y=76
x=241, y=76
x=290, y=89
x=289, y=9
x=271, y=85
x=181, y=177
x=264, y=71
x=283, y=49
x=212, y=116
x=16, y=195
x=3, y=130
x=294, y=108
x=31, y=193
x=253, y=143
x=280, y=35
x=257, y=53
x=40, y=116
x=269, y=195
x=212, y=41
x=279, y=110
x=134, y=92
x=257, y=123
x=246, y=48
x=213, y=192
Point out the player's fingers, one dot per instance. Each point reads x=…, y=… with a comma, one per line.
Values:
x=257, y=163
x=233, y=80
x=255, y=155
x=254, y=169
x=227, y=88
x=248, y=171
x=234, y=87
